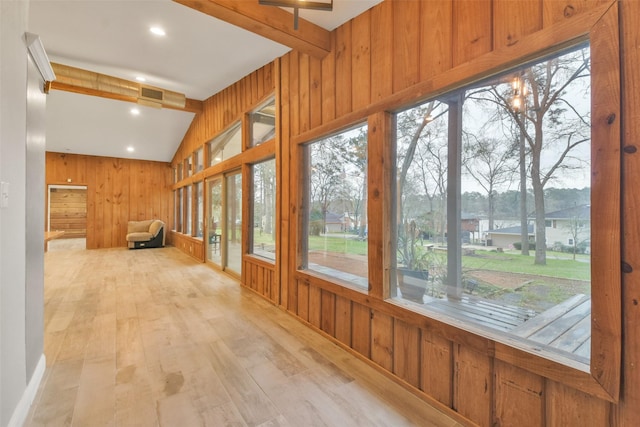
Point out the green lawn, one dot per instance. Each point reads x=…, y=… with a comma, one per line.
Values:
x=579, y=269
x=516, y=263
x=345, y=244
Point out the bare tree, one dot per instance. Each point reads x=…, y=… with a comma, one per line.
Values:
x=490, y=162
x=578, y=226
x=550, y=122
x=355, y=153
x=326, y=174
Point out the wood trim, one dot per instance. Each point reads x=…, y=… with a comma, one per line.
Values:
x=606, y=311
x=271, y=22
x=529, y=48
x=380, y=172
x=628, y=411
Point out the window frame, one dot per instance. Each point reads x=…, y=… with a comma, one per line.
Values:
x=455, y=100
x=305, y=184
x=217, y=143
x=251, y=212
x=602, y=377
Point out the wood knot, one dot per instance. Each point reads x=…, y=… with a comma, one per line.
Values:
x=626, y=267
x=569, y=11
x=611, y=118
x=630, y=149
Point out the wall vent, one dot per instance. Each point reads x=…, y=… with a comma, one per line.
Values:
x=151, y=93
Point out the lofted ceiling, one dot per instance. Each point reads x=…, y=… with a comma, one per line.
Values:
x=198, y=56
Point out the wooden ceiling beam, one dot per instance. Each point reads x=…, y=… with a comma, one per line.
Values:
x=76, y=80
x=191, y=105
x=271, y=22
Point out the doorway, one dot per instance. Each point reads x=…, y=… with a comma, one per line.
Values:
x=67, y=211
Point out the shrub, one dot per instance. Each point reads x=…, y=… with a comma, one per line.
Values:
x=518, y=245
x=315, y=228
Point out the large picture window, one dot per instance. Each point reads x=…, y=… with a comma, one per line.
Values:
x=336, y=226
x=199, y=212
x=493, y=210
x=263, y=237
x=188, y=209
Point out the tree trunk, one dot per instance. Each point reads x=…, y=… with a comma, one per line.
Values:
x=524, y=223
x=538, y=197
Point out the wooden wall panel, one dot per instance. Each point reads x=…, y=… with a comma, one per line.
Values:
x=472, y=34
x=558, y=10
x=381, y=51
x=328, y=86
x=315, y=91
x=258, y=276
x=629, y=409
x=343, y=320
x=473, y=385
x=315, y=306
x=568, y=407
x=437, y=367
x=436, y=55
x=294, y=94
x=344, y=81
x=406, y=352
x=382, y=340
x=118, y=190
x=328, y=313
x=361, y=61
x=284, y=255
x=519, y=397
x=189, y=245
x=303, y=300
x=406, y=44
x=513, y=20
x=305, y=100
x=361, y=329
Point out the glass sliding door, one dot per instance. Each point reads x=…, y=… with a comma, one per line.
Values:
x=233, y=210
x=214, y=221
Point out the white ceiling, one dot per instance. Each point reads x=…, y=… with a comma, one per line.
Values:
x=199, y=56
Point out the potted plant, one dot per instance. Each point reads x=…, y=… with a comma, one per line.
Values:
x=413, y=263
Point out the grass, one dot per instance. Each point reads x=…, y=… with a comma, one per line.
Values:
x=566, y=268
x=516, y=263
x=345, y=244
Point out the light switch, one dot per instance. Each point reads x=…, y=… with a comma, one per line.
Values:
x=4, y=194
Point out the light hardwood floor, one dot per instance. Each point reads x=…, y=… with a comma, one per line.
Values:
x=151, y=337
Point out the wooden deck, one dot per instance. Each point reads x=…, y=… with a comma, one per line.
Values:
x=564, y=327
x=485, y=312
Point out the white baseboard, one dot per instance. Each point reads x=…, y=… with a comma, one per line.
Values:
x=22, y=410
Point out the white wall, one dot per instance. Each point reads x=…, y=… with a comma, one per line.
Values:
x=16, y=366
x=35, y=195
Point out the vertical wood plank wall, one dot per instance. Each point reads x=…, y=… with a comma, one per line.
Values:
x=382, y=52
x=377, y=56
x=118, y=190
x=220, y=111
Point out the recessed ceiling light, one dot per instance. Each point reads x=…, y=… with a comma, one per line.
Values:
x=135, y=111
x=158, y=31
x=141, y=79
x=130, y=149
